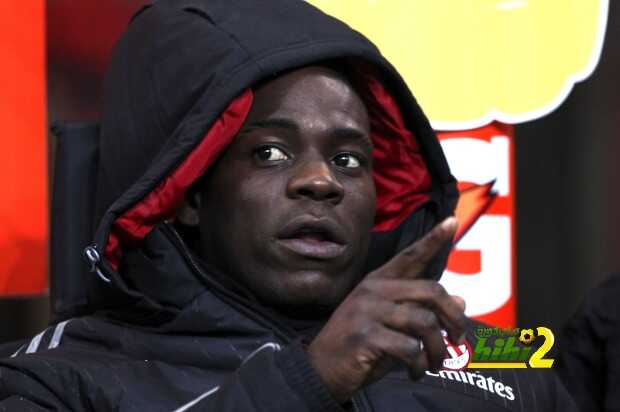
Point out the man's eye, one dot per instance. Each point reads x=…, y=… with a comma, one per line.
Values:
x=270, y=154
x=347, y=160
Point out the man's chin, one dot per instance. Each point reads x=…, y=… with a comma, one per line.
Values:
x=309, y=297
x=306, y=310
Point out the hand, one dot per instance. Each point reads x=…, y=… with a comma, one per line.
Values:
x=391, y=316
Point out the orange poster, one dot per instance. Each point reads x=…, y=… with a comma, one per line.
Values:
x=23, y=169
x=481, y=267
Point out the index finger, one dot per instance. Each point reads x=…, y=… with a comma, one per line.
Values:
x=411, y=262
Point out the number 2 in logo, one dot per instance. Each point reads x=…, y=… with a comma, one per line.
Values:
x=537, y=360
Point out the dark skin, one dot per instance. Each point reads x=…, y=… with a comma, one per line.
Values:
x=288, y=210
x=301, y=158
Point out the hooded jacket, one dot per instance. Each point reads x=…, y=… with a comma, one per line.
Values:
x=162, y=330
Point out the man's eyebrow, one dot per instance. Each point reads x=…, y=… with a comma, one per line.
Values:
x=349, y=133
x=344, y=133
x=274, y=123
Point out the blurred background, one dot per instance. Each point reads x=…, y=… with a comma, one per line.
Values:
x=562, y=209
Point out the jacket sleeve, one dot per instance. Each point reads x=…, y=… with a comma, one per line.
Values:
x=57, y=380
x=563, y=401
x=21, y=392
x=270, y=379
x=273, y=380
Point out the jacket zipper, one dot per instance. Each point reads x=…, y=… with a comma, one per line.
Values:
x=281, y=332
x=358, y=400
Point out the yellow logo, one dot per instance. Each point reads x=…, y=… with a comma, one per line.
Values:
x=472, y=62
x=498, y=348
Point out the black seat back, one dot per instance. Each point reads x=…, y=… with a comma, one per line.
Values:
x=72, y=213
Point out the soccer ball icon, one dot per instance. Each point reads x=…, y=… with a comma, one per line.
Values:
x=527, y=336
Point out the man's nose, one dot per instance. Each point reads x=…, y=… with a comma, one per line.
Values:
x=315, y=180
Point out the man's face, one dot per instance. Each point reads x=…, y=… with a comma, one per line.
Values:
x=288, y=208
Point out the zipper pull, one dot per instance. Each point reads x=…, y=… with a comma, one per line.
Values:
x=93, y=257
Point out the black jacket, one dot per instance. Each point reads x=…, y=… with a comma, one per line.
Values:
x=587, y=363
x=166, y=332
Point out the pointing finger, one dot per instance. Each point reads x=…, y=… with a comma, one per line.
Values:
x=411, y=262
x=460, y=302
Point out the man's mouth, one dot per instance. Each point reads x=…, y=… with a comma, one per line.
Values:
x=313, y=238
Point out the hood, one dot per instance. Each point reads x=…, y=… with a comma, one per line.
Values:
x=179, y=88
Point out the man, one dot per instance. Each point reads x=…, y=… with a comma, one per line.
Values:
x=587, y=363
x=320, y=200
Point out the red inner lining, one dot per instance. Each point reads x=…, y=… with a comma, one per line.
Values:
x=402, y=179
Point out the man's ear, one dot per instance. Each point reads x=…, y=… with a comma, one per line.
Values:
x=188, y=213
